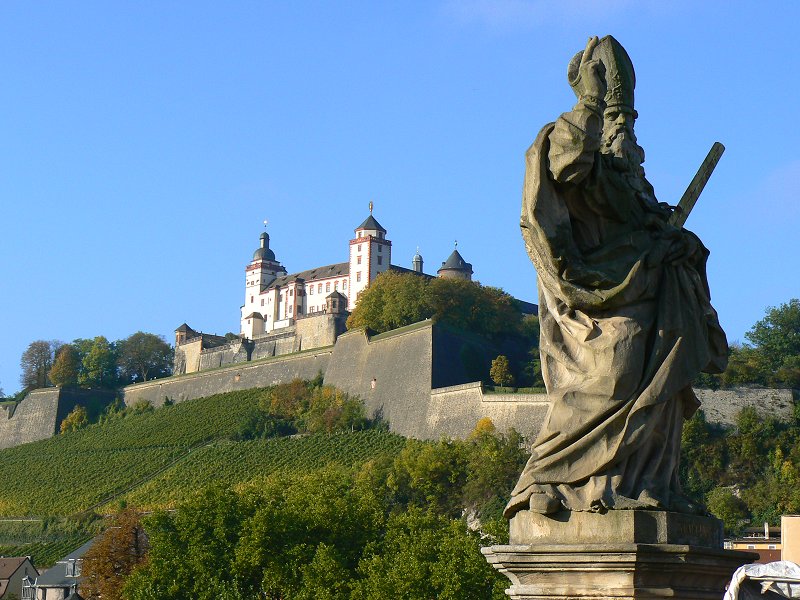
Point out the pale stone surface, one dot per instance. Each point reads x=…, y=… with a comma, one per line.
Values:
x=626, y=319
x=615, y=571
x=615, y=527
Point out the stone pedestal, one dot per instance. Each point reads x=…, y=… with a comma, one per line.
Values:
x=617, y=555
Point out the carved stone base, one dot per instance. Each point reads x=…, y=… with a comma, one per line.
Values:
x=617, y=555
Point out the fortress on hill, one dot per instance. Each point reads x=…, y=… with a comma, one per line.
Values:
x=285, y=313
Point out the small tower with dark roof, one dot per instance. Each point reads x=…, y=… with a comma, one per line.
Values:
x=259, y=273
x=455, y=267
x=370, y=255
x=416, y=262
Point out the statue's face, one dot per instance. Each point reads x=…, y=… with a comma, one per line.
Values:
x=618, y=137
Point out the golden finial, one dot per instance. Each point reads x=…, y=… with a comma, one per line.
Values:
x=370, y=207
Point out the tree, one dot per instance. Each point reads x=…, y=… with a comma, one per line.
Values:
x=36, y=363
x=777, y=335
x=397, y=299
x=78, y=418
x=66, y=367
x=500, y=372
x=120, y=548
x=728, y=508
x=99, y=364
x=393, y=300
x=144, y=356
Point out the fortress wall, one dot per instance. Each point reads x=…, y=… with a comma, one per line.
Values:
x=191, y=354
x=38, y=416
x=242, y=376
x=400, y=363
x=454, y=411
x=275, y=344
x=34, y=418
x=722, y=406
x=318, y=330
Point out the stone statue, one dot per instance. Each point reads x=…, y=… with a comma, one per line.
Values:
x=626, y=318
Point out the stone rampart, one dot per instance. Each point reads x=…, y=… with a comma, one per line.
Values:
x=455, y=410
x=391, y=372
x=38, y=416
x=241, y=376
x=722, y=406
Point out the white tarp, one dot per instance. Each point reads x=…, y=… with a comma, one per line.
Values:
x=781, y=577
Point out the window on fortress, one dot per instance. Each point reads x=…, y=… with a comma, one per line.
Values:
x=358, y=276
x=380, y=260
x=335, y=285
x=311, y=290
x=327, y=286
x=291, y=292
x=319, y=288
x=358, y=260
x=344, y=284
x=380, y=248
x=251, y=298
x=359, y=247
x=262, y=302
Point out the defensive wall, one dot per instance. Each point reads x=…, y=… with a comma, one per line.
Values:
x=420, y=378
x=204, y=352
x=240, y=376
x=38, y=416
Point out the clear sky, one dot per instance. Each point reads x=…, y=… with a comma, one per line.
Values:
x=142, y=144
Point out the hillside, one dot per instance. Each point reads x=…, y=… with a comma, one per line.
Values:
x=152, y=459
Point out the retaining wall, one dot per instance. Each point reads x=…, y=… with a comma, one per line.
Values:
x=38, y=416
x=241, y=376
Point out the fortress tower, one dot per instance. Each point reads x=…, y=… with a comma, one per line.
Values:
x=259, y=273
x=370, y=254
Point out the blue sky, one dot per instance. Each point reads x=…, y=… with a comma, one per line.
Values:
x=142, y=144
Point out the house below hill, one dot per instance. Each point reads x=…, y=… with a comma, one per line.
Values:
x=16, y=577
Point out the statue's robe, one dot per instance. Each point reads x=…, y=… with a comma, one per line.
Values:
x=623, y=332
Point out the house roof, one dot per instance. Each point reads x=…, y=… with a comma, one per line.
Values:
x=399, y=269
x=9, y=565
x=56, y=576
x=371, y=223
x=335, y=294
x=335, y=270
x=456, y=262
x=184, y=329
x=254, y=315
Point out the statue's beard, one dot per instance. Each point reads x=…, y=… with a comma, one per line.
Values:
x=622, y=144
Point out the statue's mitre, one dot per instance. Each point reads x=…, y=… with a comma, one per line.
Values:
x=620, y=76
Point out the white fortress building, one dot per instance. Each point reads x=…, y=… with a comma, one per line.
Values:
x=285, y=313
x=275, y=300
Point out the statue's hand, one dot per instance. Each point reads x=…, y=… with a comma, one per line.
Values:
x=590, y=83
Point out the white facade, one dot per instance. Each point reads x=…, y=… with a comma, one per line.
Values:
x=274, y=299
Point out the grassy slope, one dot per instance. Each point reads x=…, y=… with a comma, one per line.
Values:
x=156, y=459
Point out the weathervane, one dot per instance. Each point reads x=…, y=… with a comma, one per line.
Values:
x=370, y=207
x=456, y=243
x=265, y=223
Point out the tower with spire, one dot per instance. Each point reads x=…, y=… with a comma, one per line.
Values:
x=370, y=254
x=260, y=272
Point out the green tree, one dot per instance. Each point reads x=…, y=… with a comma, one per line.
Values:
x=36, y=362
x=77, y=419
x=427, y=556
x=728, y=508
x=500, y=371
x=66, y=367
x=393, y=300
x=777, y=335
x=397, y=299
x=99, y=365
x=144, y=356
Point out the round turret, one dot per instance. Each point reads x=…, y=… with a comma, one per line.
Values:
x=455, y=267
x=264, y=253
